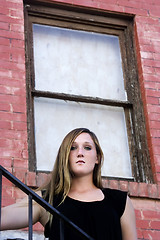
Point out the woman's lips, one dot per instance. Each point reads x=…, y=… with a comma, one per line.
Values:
x=80, y=161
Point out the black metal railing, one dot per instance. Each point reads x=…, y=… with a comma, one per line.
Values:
x=33, y=196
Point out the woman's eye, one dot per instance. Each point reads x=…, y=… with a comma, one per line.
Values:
x=88, y=148
x=73, y=148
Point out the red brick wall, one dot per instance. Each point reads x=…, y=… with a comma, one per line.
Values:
x=13, y=120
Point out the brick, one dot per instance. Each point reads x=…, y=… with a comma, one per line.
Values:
x=153, y=108
x=19, y=108
x=152, y=85
x=18, y=57
x=18, y=194
x=6, y=143
x=18, y=75
x=133, y=189
x=114, y=184
x=9, y=19
x=158, y=177
x=20, y=126
x=138, y=214
x=11, y=153
x=152, y=190
x=12, y=83
x=155, y=133
x=5, y=56
x=152, y=234
x=7, y=191
x=13, y=134
x=7, y=201
x=147, y=48
x=154, y=116
x=20, y=144
x=124, y=185
x=155, y=11
x=137, y=11
x=5, y=90
x=4, y=41
x=17, y=27
x=25, y=154
x=155, y=124
x=12, y=4
x=143, y=189
x=157, y=71
x=12, y=65
x=155, y=224
x=150, y=62
x=5, y=124
x=31, y=179
x=16, y=13
x=151, y=78
x=3, y=11
x=5, y=73
x=87, y=3
x=148, y=55
x=4, y=25
x=131, y=4
x=13, y=99
x=38, y=227
x=4, y=106
x=143, y=224
x=110, y=7
x=19, y=117
x=17, y=43
x=158, y=206
x=105, y=183
x=12, y=34
x=148, y=69
x=156, y=56
x=6, y=162
x=152, y=100
x=154, y=215
x=19, y=163
x=42, y=178
x=20, y=174
x=139, y=234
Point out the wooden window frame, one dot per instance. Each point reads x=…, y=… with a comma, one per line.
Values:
x=121, y=25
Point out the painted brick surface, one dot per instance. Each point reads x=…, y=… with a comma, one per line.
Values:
x=13, y=119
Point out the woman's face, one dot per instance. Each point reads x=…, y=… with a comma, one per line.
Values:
x=83, y=156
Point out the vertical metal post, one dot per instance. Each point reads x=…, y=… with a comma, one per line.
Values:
x=30, y=218
x=61, y=229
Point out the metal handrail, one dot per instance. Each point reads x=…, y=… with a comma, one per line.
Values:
x=34, y=196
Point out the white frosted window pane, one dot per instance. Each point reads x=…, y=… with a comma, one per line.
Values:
x=77, y=62
x=57, y=120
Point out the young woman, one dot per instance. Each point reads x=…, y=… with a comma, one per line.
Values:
x=75, y=189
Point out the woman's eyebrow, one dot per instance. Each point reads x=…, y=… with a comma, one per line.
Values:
x=84, y=142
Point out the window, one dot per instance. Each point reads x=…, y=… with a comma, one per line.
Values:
x=81, y=72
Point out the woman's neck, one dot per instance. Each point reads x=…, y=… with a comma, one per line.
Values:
x=84, y=190
x=82, y=184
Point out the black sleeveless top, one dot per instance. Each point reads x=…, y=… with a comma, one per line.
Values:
x=99, y=219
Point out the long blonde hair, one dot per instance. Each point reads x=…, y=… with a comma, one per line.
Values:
x=61, y=178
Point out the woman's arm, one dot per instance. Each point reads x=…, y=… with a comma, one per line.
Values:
x=15, y=216
x=128, y=222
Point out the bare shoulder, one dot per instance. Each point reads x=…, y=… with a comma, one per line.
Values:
x=128, y=222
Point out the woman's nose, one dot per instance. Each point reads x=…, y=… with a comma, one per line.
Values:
x=80, y=152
